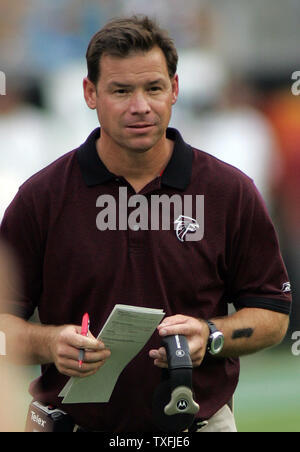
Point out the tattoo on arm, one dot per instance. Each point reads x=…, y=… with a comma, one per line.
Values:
x=244, y=332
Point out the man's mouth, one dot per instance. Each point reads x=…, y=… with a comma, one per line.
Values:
x=139, y=128
x=140, y=125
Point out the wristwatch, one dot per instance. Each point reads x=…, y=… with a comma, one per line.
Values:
x=215, y=340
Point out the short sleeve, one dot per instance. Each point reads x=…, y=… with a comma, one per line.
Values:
x=258, y=276
x=20, y=231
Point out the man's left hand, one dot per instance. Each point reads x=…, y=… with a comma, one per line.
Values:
x=196, y=332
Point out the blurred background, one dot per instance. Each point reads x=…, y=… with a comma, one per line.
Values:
x=238, y=101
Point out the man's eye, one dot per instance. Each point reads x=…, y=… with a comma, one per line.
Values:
x=121, y=91
x=155, y=88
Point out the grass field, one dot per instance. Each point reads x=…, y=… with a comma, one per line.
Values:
x=267, y=398
x=268, y=395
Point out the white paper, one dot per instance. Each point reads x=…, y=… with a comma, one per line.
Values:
x=125, y=333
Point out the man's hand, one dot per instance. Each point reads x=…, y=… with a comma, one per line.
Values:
x=196, y=332
x=64, y=348
x=245, y=331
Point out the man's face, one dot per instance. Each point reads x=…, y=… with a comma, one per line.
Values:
x=133, y=99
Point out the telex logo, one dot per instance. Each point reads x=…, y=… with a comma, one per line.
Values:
x=36, y=418
x=296, y=84
x=2, y=344
x=2, y=84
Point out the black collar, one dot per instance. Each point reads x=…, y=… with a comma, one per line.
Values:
x=177, y=173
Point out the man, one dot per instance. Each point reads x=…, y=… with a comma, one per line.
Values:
x=12, y=380
x=74, y=260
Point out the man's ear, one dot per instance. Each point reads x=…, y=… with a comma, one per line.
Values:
x=90, y=94
x=175, y=89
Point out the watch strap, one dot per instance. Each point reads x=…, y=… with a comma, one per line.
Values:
x=212, y=330
x=212, y=327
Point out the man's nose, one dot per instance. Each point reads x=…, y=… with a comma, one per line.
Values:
x=139, y=104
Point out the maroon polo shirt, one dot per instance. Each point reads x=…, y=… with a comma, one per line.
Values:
x=70, y=266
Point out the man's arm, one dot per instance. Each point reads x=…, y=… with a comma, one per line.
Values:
x=30, y=343
x=246, y=331
x=250, y=330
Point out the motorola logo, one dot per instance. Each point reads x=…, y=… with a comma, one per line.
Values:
x=182, y=404
x=180, y=353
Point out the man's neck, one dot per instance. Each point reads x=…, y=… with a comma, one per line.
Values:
x=138, y=168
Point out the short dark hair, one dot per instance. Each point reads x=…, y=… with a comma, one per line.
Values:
x=123, y=36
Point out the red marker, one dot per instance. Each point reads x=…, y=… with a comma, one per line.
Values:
x=84, y=332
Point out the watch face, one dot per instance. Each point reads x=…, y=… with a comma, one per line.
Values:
x=217, y=343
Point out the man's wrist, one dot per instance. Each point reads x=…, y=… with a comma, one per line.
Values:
x=215, y=341
x=43, y=342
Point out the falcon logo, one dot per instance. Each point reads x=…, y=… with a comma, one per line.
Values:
x=185, y=225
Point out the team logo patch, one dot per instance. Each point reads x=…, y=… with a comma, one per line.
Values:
x=184, y=225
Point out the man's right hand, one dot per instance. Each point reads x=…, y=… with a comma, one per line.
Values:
x=64, y=348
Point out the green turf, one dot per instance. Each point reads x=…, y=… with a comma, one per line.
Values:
x=268, y=395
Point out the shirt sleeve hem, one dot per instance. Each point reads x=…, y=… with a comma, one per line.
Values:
x=18, y=311
x=272, y=304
